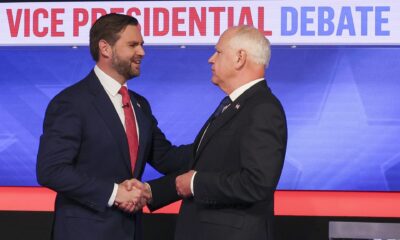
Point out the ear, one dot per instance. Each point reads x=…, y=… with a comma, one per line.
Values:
x=241, y=58
x=105, y=49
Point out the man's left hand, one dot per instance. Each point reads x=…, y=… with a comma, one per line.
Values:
x=182, y=183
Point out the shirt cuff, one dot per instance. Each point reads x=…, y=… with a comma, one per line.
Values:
x=191, y=183
x=113, y=196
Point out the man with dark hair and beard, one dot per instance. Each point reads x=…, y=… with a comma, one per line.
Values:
x=98, y=135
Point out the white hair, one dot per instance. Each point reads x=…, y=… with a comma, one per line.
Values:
x=253, y=42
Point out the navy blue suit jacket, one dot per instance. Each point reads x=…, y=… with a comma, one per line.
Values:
x=84, y=150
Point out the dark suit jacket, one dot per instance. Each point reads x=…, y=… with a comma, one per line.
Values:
x=238, y=164
x=84, y=150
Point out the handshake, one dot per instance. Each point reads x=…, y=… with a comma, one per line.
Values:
x=132, y=195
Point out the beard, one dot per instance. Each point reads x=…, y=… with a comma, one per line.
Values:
x=123, y=67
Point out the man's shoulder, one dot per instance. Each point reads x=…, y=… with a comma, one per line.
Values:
x=261, y=94
x=76, y=93
x=76, y=89
x=137, y=95
x=263, y=100
x=139, y=98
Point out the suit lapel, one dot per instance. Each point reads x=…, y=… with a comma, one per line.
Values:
x=144, y=130
x=215, y=125
x=200, y=134
x=106, y=109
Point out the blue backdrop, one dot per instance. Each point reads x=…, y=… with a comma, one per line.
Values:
x=342, y=105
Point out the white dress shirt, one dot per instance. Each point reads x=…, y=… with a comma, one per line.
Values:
x=112, y=87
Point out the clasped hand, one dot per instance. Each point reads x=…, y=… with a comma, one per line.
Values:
x=132, y=195
x=182, y=184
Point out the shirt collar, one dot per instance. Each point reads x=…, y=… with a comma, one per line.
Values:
x=110, y=84
x=240, y=90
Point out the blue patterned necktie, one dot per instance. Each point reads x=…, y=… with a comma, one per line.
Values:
x=226, y=101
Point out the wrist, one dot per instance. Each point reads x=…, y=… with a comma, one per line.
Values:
x=148, y=188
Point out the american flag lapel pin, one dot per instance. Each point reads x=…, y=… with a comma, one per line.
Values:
x=237, y=106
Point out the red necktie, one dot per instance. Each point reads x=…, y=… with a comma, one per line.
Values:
x=130, y=125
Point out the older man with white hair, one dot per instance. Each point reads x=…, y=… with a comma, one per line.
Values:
x=228, y=191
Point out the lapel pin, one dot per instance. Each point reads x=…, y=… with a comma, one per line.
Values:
x=138, y=105
x=237, y=106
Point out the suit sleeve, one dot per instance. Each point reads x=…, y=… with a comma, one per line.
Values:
x=262, y=149
x=165, y=157
x=58, y=149
x=169, y=160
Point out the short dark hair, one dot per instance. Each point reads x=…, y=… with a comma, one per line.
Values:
x=108, y=27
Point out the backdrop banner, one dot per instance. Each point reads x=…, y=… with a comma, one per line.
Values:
x=287, y=22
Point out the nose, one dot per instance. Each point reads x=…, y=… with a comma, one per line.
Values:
x=141, y=51
x=211, y=59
